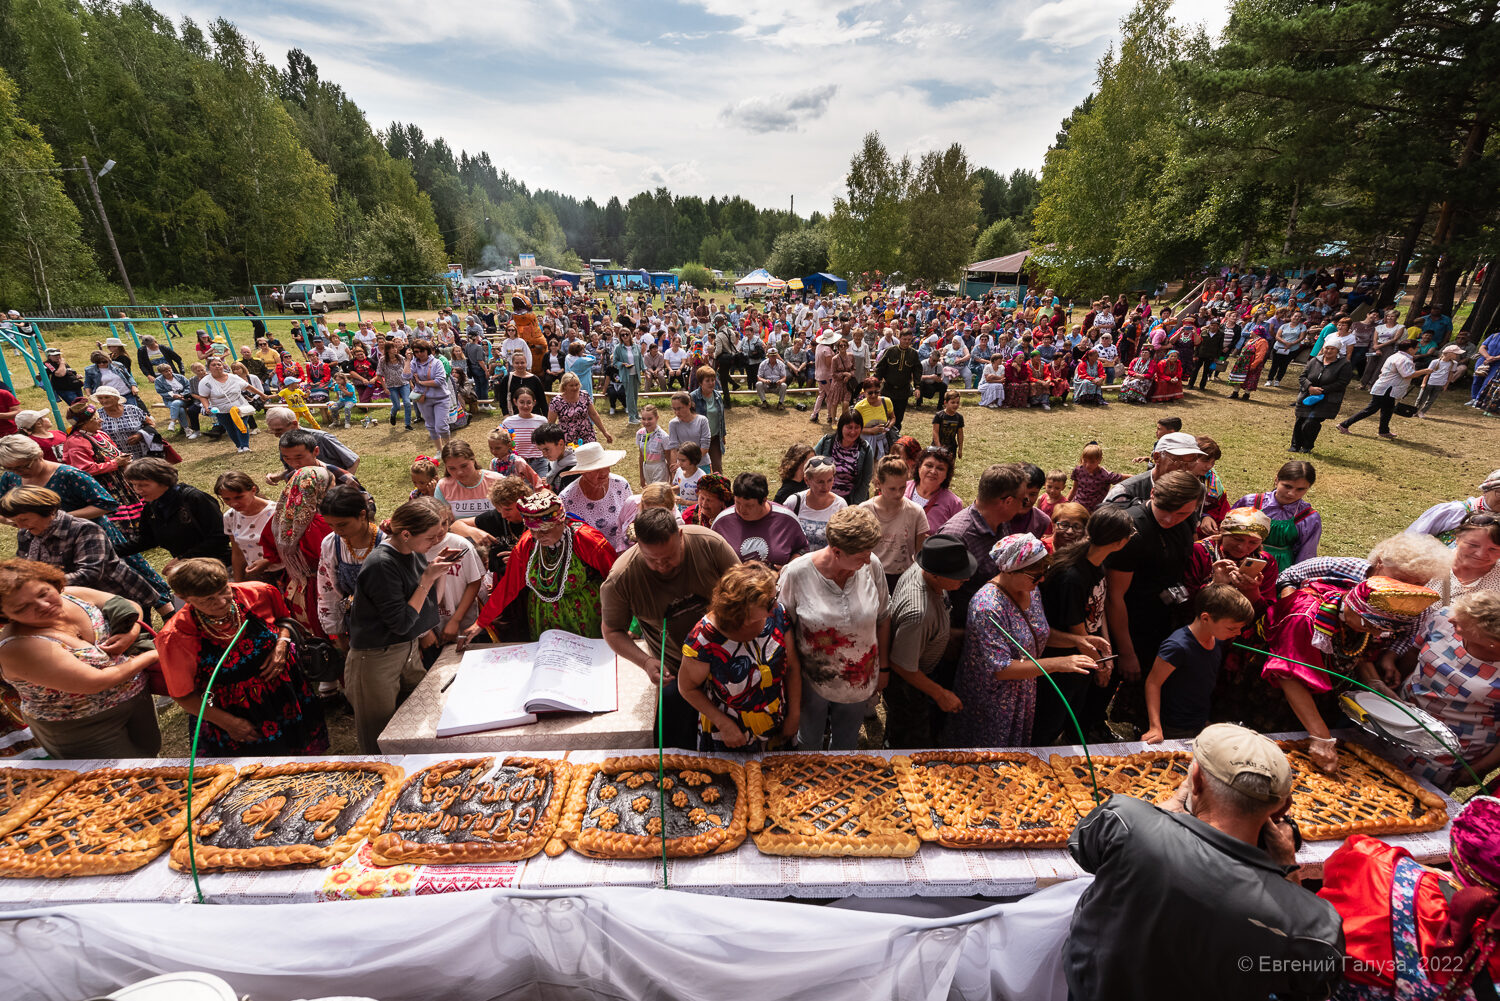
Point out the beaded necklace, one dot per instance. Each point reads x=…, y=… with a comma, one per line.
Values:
x=552, y=575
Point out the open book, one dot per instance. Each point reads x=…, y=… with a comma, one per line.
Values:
x=508, y=685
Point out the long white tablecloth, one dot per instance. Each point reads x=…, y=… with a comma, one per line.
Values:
x=744, y=872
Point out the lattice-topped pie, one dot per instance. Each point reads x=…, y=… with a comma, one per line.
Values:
x=312, y=813
x=989, y=799
x=24, y=791
x=108, y=821
x=1150, y=775
x=810, y=804
x=616, y=808
x=474, y=810
x=1367, y=795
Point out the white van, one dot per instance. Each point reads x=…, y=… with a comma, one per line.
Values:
x=317, y=294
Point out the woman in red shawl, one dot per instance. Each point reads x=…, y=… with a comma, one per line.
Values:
x=1416, y=933
x=1017, y=382
x=559, y=565
x=1166, y=379
x=1040, y=378
x=1062, y=374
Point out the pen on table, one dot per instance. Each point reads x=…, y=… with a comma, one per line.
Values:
x=448, y=683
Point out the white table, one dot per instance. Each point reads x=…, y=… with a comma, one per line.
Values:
x=413, y=730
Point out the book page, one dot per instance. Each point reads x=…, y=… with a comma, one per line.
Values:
x=572, y=672
x=489, y=690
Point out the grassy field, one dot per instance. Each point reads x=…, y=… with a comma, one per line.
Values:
x=1367, y=487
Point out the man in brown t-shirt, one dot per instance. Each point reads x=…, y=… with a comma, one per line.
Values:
x=664, y=581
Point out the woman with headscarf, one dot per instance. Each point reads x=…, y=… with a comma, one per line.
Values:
x=1166, y=379
x=1040, y=378
x=1136, y=386
x=1244, y=374
x=1088, y=380
x=1413, y=932
x=715, y=493
x=293, y=541
x=1321, y=628
x=558, y=566
x=1017, y=382
x=1007, y=628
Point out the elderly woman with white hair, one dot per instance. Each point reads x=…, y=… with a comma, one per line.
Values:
x=838, y=606
x=1454, y=676
x=79, y=494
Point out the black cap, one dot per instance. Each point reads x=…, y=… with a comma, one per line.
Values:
x=946, y=556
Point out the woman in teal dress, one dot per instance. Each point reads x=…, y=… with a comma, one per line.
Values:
x=82, y=496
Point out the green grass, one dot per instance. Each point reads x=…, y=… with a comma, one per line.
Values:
x=1367, y=488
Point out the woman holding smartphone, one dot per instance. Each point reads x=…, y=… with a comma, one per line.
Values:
x=1236, y=557
x=393, y=615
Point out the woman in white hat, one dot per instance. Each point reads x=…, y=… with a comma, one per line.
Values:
x=37, y=425
x=597, y=496
x=123, y=421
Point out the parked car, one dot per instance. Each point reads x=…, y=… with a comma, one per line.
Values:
x=317, y=295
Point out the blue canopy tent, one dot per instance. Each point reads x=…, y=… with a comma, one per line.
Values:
x=820, y=282
x=664, y=279
x=567, y=276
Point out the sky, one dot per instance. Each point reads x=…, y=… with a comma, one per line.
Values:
x=767, y=99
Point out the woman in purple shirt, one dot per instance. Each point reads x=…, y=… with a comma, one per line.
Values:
x=929, y=490
x=429, y=381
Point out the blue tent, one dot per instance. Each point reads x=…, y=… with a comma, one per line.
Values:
x=820, y=281
x=570, y=277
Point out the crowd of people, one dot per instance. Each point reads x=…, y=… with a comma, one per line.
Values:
x=775, y=612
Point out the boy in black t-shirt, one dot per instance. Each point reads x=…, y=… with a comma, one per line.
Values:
x=948, y=426
x=1181, y=682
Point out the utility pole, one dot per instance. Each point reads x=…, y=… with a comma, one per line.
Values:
x=109, y=234
x=793, y=207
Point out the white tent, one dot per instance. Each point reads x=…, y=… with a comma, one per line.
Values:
x=760, y=280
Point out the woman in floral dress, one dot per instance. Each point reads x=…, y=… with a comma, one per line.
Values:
x=558, y=566
x=575, y=413
x=261, y=703
x=996, y=679
x=1137, y=385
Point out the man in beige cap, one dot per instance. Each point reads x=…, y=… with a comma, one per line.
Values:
x=1198, y=897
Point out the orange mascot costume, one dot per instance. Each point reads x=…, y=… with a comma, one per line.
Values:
x=528, y=329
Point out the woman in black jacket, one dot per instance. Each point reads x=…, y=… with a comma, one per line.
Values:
x=181, y=519
x=1325, y=376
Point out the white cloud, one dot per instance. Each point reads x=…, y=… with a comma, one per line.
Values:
x=762, y=98
x=1068, y=24
x=782, y=112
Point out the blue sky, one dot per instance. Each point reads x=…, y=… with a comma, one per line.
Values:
x=762, y=98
